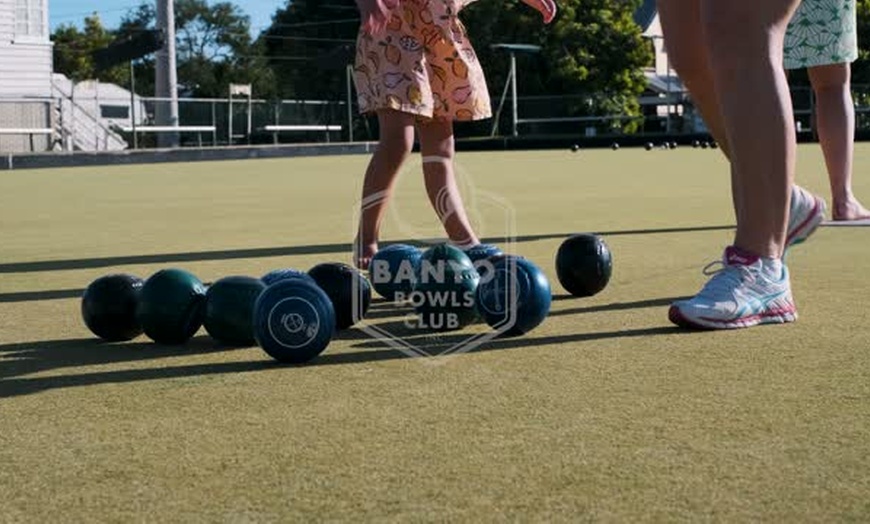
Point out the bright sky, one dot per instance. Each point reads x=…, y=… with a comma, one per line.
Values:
x=75, y=11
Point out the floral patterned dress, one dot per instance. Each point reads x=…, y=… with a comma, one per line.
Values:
x=422, y=64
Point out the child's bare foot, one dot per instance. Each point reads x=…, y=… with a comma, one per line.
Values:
x=363, y=253
x=850, y=210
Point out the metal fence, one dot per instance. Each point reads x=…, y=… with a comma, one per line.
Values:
x=222, y=122
x=228, y=122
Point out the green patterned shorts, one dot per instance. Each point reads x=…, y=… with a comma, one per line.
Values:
x=822, y=32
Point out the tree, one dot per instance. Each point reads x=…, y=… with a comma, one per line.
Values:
x=73, y=49
x=593, y=52
x=213, y=45
x=861, y=67
x=137, y=20
x=308, y=46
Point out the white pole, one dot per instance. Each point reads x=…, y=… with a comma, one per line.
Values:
x=349, y=103
x=230, y=113
x=668, y=73
x=514, y=91
x=133, y=104
x=97, y=115
x=166, y=75
x=72, y=115
x=250, y=116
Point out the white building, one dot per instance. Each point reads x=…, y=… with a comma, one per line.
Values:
x=665, y=91
x=38, y=110
x=25, y=73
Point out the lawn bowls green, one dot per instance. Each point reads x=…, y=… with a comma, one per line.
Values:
x=584, y=264
x=229, y=309
x=444, y=289
x=109, y=307
x=349, y=291
x=171, y=306
x=392, y=271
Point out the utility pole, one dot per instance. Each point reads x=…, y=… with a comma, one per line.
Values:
x=166, y=79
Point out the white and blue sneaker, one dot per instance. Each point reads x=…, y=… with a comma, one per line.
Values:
x=805, y=214
x=748, y=290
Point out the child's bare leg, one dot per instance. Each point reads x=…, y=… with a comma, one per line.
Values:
x=745, y=39
x=436, y=148
x=835, y=118
x=394, y=145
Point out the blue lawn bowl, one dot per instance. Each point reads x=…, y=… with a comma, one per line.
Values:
x=516, y=297
x=392, y=270
x=294, y=320
x=277, y=275
x=480, y=254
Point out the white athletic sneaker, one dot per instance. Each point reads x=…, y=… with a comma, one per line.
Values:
x=805, y=214
x=741, y=294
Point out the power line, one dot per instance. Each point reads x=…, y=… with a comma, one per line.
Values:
x=290, y=38
x=309, y=24
x=64, y=16
x=309, y=39
x=276, y=37
x=95, y=10
x=282, y=58
x=56, y=19
x=72, y=51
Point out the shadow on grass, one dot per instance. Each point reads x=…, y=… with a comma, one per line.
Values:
x=27, y=358
x=319, y=249
x=32, y=296
x=400, y=313
x=616, y=306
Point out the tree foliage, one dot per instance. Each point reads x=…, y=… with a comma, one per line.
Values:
x=214, y=48
x=308, y=45
x=73, y=49
x=593, y=51
x=861, y=68
x=592, y=46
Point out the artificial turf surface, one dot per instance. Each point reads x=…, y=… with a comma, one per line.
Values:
x=605, y=412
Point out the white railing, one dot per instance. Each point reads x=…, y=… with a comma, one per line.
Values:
x=26, y=125
x=79, y=128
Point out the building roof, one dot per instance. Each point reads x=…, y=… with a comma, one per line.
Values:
x=664, y=84
x=645, y=14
